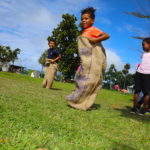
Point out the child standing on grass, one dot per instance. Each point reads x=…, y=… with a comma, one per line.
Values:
x=142, y=79
x=93, y=58
x=51, y=65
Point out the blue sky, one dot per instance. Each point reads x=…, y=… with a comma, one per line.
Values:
x=27, y=24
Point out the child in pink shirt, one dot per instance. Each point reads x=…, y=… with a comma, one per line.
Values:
x=142, y=79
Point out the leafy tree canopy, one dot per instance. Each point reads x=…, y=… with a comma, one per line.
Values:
x=8, y=55
x=65, y=36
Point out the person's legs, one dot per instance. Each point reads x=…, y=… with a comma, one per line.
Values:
x=149, y=103
x=137, y=89
x=146, y=92
x=136, y=106
x=52, y=72
x=146, y=100
x=136, y=96
x=51, y=75
x=145, y=105
x=140, y=99
x=44, y=83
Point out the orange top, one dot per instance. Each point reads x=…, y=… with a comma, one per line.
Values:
x=92, y=32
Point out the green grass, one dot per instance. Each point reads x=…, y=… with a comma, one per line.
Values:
x=32, y=117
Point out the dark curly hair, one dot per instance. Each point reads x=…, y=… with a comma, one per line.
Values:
x=51, y=40
x=90, y=11
x=147, y=40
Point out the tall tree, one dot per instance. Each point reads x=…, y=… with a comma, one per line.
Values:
x=120, y=79
x=14, y=55
x=110, y=75
x=65, y=36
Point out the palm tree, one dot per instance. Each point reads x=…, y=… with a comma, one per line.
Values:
x=125, y=72
x=14, y=55
x=110, y=75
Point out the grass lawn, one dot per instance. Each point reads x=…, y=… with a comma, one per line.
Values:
x=32, y=117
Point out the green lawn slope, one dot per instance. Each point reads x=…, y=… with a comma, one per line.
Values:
x=32, y=117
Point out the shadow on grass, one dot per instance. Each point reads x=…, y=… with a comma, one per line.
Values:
x=131, y=99
x=55, y=89
x=93, y=107
x=119, y=146
x=125, y=112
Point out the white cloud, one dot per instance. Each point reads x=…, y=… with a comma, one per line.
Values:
x=119, y=29
x=27, y=24
x=31, y=48
x=26, y=14
x=137, y=30
x=105, y=21
x=113, y=58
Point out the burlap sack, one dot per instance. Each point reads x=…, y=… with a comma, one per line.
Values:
x=89, y=77
x=50, y=71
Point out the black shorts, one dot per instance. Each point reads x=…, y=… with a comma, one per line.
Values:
x=142, y=83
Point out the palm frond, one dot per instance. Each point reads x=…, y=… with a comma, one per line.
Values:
x=139, y=15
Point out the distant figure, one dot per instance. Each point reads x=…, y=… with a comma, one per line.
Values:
x=92, y=55
x=116, y=87
x=51, y=65
x=142, y=79
x=32, y=75
x=123, y=91
x=35, y=74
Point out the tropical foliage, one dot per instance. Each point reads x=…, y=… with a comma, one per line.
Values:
x=8, y=55
x=122, y=78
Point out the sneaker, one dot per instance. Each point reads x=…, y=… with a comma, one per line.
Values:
x=134, y=110
x=142, y=112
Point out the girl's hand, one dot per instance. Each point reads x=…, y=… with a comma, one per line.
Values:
x=102, y=37
x=93, y=40
x=52, y=61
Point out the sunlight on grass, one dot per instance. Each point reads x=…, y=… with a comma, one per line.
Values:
x=33, y=118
